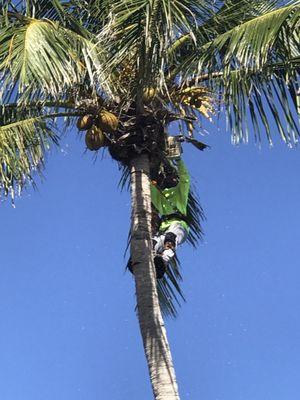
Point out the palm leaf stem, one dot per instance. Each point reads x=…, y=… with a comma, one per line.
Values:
x=219, y=74
x=38, y=105
x=17, y=15
x=179, y=42
x=49, y=116
x=62, y=114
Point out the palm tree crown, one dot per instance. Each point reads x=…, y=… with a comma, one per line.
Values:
x=173, y=61
x=127, y=69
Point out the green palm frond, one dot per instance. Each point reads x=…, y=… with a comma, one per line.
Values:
x=259, y=101
x=254, y=44
x=93, y=15
x=42, y=56
x=144, y=30
x=32, y=126
x=248, y=43
x=54, y=10
x=169, y=292
x=195, y=217
x=226, y=16
x=10, y=113
x=49, y=110
x=258, y=59
x=22, y=152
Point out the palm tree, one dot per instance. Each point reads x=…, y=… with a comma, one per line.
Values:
x=128, y=69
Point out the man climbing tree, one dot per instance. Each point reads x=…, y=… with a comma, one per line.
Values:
x=172, y=201
x=169, y=196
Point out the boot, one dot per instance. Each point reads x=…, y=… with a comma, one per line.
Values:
x=160, y=266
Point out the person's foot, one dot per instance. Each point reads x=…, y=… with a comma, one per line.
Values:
x=160, y=266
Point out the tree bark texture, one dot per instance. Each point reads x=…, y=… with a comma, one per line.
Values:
x=158, y=355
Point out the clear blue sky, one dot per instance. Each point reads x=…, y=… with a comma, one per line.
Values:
x=68, y=326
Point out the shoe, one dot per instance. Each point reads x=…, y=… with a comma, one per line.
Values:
x=160, y=266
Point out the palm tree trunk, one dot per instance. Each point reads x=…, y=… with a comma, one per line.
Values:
x=162, y=374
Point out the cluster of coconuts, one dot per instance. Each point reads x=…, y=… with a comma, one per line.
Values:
x=198, y=97
x=96, y=127
x=193, y=96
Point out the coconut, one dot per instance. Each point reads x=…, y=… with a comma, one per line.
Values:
x=95, y=139
x=107, y=121
x=85, y=122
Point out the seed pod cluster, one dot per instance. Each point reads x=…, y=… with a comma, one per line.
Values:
x=196, y=97
x=96, y=127
x=107, y=121
x=85, y=122
x=95, y=139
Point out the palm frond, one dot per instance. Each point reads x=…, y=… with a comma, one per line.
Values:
x=143, y=30
x=124, y=182
x=262, y=40
x=54, y=10
x=253, y=43
x=40, y=56
x=169, y=292
x=259, y=101
x=195, y=217
x=22, y=152
x=93, y=15
x=256, y=60
x=226, y=16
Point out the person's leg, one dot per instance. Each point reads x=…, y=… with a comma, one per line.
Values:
x=177, y=232
x=164, y=246
x=158, y=243
x=158, y=247
x=173, y=237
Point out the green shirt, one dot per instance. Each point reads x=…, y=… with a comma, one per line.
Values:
x=172, y=200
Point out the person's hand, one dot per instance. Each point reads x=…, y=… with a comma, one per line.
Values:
x=169, y=245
